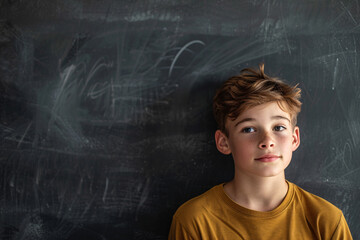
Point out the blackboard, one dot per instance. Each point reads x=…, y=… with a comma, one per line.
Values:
x=106, y=120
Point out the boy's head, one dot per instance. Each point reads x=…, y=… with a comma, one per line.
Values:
x=252, y=88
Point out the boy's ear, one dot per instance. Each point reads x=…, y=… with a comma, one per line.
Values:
x=222, y=143
x=296, y=138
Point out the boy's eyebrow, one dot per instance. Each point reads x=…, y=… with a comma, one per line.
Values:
x=280, y=117
x=245, y=120
x=253, y=119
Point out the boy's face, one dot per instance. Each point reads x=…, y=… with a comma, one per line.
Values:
x=261, y=140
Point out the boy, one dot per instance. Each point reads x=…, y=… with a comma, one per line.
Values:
x=256, y=116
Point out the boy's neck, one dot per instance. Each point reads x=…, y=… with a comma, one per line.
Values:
x=257, y=193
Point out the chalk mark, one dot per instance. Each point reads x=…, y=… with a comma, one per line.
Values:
x=347, y=10
x=181, y=51
x=100, y=63
x=285, y=31
x=106, y=189
x=350, y=172
x=144, y=195
x=336, y=72
x=22, y=138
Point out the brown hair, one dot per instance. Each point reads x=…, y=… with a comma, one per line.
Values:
x=251, y=88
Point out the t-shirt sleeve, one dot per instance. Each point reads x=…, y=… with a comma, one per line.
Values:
x=342, y=231
x=178, y=232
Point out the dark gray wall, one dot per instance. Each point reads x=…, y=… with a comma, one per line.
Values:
x=106, y=123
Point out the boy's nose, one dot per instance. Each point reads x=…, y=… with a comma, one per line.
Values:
x=266, y=142
x=264, y=146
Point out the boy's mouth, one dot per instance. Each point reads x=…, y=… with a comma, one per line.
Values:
x=268, y=158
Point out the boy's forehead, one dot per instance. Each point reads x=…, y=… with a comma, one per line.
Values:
x=271, y=111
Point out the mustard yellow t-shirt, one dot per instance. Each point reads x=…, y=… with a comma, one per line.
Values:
x=301, y=215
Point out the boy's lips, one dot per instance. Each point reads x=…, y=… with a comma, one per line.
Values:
x=268, y=158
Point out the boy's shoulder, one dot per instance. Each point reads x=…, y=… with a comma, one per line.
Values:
x=315, y=204
x=319, y=213
x=197, y=206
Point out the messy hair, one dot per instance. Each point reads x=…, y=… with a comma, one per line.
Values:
x=252, y=88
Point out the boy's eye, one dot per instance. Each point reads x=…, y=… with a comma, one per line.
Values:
x=279, y=128
x=248, y=130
